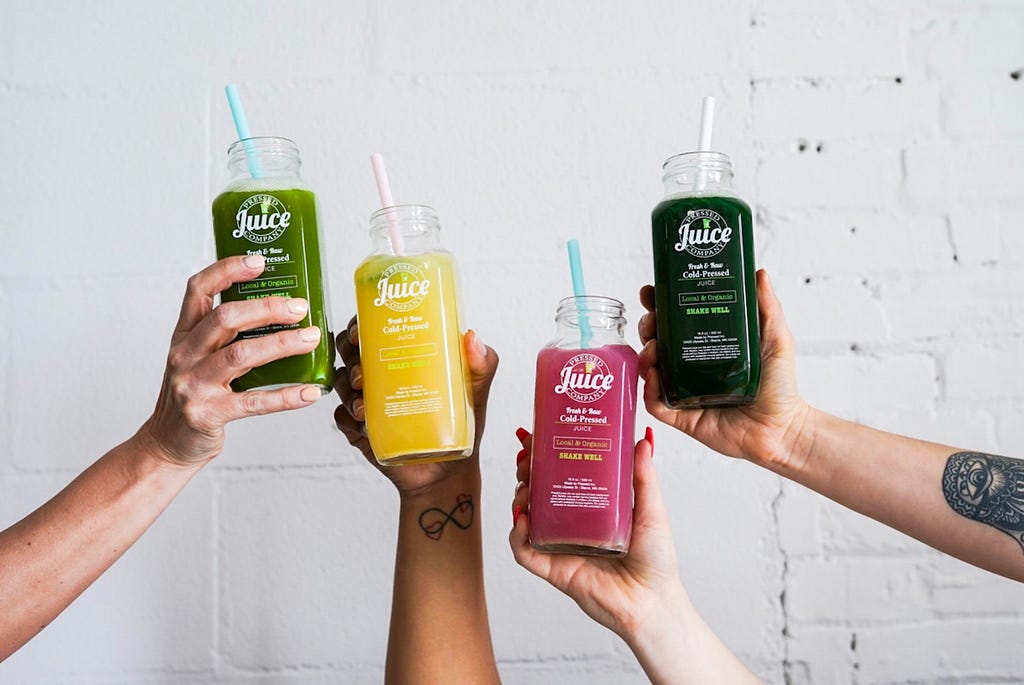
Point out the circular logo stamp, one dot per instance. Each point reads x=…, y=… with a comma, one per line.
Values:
x=585, y=378
x=703, y=233
x=261, y=219
x=402, y=287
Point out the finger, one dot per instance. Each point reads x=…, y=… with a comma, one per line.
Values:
x=257, y=402
x=241, y=357
x=520, y=501
x=525, y=438
x=537, y=563
x=647, y=298
x=776, y=338
x=351, y=398
x=647, y=327
x=354, y=431
x=223, y=324
x=523, y=463
x=348, y=345
x=205, y=285
x=648, y=358
x=483, y=363
x=648, y=504
x=656, y=407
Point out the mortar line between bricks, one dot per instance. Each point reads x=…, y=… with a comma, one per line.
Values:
x=786, y=665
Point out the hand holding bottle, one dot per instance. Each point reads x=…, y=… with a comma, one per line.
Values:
x=639, y=596
x=196, y=400
x=350, y=415
x=763, y=432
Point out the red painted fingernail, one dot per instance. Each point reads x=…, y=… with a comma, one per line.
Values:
x=522, y=433
x=649, y=437
x=520, y=456
x=515, y=514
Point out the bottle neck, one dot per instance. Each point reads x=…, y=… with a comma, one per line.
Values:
x=602, y=318
x=263, y=158
x=417, y=226
x=698, y=173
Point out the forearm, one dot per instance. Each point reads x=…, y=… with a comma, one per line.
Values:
x=676, y=647
x=439, y=629
x=897, y=481
x=52, y=555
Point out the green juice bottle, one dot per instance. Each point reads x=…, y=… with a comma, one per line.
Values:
x=266, y=209
x=709, y=345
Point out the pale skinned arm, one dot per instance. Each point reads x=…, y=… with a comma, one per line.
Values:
x=52, y=555
x=891, y=478
x=640, y=596
x=439, y=629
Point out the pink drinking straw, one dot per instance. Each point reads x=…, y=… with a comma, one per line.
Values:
x=380, y=175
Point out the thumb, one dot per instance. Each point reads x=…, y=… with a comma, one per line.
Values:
x=483, y=363
x=776, y=337
x=648, y=505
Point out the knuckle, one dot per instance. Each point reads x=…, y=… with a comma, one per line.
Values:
x=236, y=355
x=223, y=316
x=253, y=402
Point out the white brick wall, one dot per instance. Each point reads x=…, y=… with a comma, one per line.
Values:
x=880, y=140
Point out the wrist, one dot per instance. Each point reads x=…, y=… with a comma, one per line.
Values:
x=794, y=443
x=671, y=619
x=462, y=479
x=150, y=455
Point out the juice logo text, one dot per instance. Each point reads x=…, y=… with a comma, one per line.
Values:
x=402, y=287
x=703, y=233
x=261, y=219
x=585, y=378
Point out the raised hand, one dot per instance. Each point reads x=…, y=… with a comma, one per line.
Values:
x=762, y=432
x=196, y=400
x=350, y=415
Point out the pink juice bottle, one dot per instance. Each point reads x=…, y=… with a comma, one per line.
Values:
x=581, y=475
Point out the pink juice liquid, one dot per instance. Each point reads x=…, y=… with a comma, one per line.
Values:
x=581, y=476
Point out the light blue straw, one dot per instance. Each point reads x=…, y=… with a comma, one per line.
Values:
x=576, y=268
x=242, y=127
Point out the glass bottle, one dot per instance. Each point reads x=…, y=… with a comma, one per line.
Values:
x=267, y=209
x=581, y=473
x=416, y=382
x=709, y=348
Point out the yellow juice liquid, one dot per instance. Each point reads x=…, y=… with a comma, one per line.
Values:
x=416, y=388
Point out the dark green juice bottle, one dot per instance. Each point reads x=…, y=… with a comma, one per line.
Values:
x=266, y=209
x=709, y=345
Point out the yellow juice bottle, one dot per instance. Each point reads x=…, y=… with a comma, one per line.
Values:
x=416, y=386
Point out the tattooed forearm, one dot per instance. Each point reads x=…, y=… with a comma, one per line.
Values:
x=987, y=488
x=434, y=520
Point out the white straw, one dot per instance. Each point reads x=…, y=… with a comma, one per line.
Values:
x=380, y=175
x=707, y=121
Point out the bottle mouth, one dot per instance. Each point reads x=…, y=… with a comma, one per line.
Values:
x=414, y=218
x=697, y=157
x=264, y=145
x=596, y=307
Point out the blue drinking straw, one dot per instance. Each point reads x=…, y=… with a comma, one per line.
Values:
x=576, y=268
x=242, y=127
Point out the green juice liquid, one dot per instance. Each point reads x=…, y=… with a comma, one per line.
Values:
x=280, y=224
x=709, y=347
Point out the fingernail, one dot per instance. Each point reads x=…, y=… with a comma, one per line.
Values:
x=310, y=393
x=515, y=515
x=649, y=437
x=478, y=343
x=310, y=334
x=520, y=456
x=522, y=433
x=357, y=408
x=297, y=305
x=254, y=261
x=356, y=376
